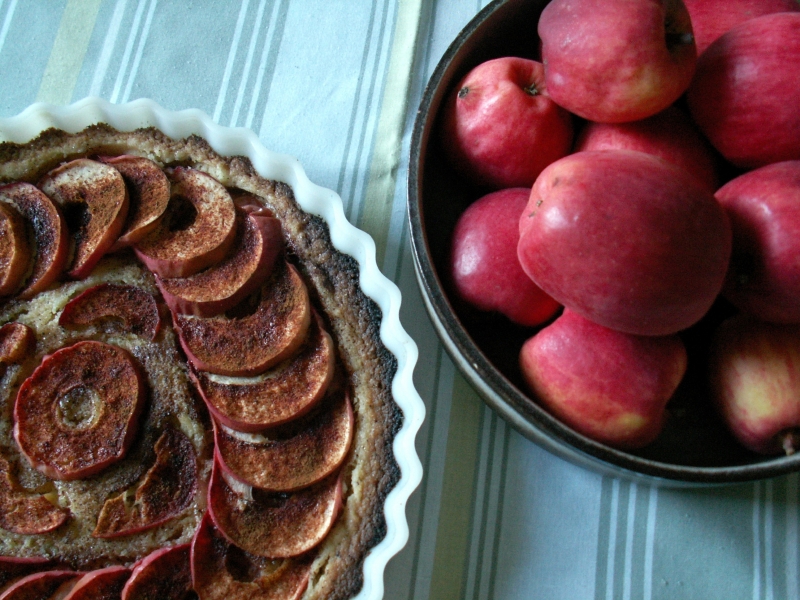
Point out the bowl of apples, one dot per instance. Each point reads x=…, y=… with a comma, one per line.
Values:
x=604, y=202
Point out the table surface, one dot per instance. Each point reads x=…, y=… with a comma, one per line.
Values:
x=336, y=84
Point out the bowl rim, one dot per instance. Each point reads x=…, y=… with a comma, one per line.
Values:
x=527, y=417
x=314, y=199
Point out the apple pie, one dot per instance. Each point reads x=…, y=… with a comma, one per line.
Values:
x=195, y=397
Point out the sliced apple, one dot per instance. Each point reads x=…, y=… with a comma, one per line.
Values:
x=23, y=512
x=273, y=525
x=148, y=191
x=221, y=571
x=15, y=253
x=166, y=490
x=51, y=243
x=286, y=392
x=94, y=200
x=100, y=584
x=291, y=457
x=40, y=586
x=126, y=308
x=13, y=568
x=198, y=228
x=17, y=341
x=163, y=575
x=249, y=345
x=77, y=413
x=221, y=287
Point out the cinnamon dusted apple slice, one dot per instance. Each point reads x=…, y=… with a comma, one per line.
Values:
x=23, y=512
x=15, y=254
x=100, y=584
x=273, y=525
x=223, y=286
x=148, y=192
x=198, y=228
x=50, y=239
x=126, y=308
x=41, y=586
x=166, y=490
x=281, y=394
x=163, y=575
x=13, y=568
x=77, y=413
x=249, y=345
x=94, y=201
x=221, y=571
x=17, y=341
x=291, y=457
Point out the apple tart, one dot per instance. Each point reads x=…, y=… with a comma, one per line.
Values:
x=195, y=396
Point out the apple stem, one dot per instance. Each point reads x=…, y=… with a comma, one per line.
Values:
x=789, y=441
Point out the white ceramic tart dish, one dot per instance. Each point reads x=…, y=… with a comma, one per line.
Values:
x=156, y=431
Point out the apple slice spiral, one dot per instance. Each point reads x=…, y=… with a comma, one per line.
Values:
x=285, y=461
x=14, y=250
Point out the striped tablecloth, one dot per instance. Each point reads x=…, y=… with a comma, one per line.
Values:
x=336, y=84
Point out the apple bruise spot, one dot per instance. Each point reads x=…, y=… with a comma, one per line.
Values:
x=25, y=513
x=164, y=574
x=288, y=392
x=166, y=490
x=221, y=571
x=124, y=308
x=253, y=343
x=49, y=235
x=292, y=457
x=94, y=199
x=17, y=342
x=64, y=438
x=274, y=525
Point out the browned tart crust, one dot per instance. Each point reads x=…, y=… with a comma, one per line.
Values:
x=174, y=413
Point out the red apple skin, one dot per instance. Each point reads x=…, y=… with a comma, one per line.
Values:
x=484, y=266
x=612, y=387
x=613, y=61
x=754, y=373
x=500, y=127
x=712, y=18
x=764, y=209
x=625, y=239
x=744, y=93
x=670, y=135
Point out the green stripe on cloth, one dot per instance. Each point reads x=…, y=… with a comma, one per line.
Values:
x=379, y=195
x=69, y=50
x=448, y=577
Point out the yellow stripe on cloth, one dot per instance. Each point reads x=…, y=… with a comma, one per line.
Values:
x=455, y=513
x=69, y=49
x=379, y=194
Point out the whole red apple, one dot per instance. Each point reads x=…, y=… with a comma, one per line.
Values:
x=485, y=269
x=764, y=209
x=670, y=135
x=610, y=386
x=625, y=239
x=712, y=18
x=612, y=61
x=744, y=96
x=755, y=380
x=500, y=128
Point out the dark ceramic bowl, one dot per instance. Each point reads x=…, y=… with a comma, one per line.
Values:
x=694, y=448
